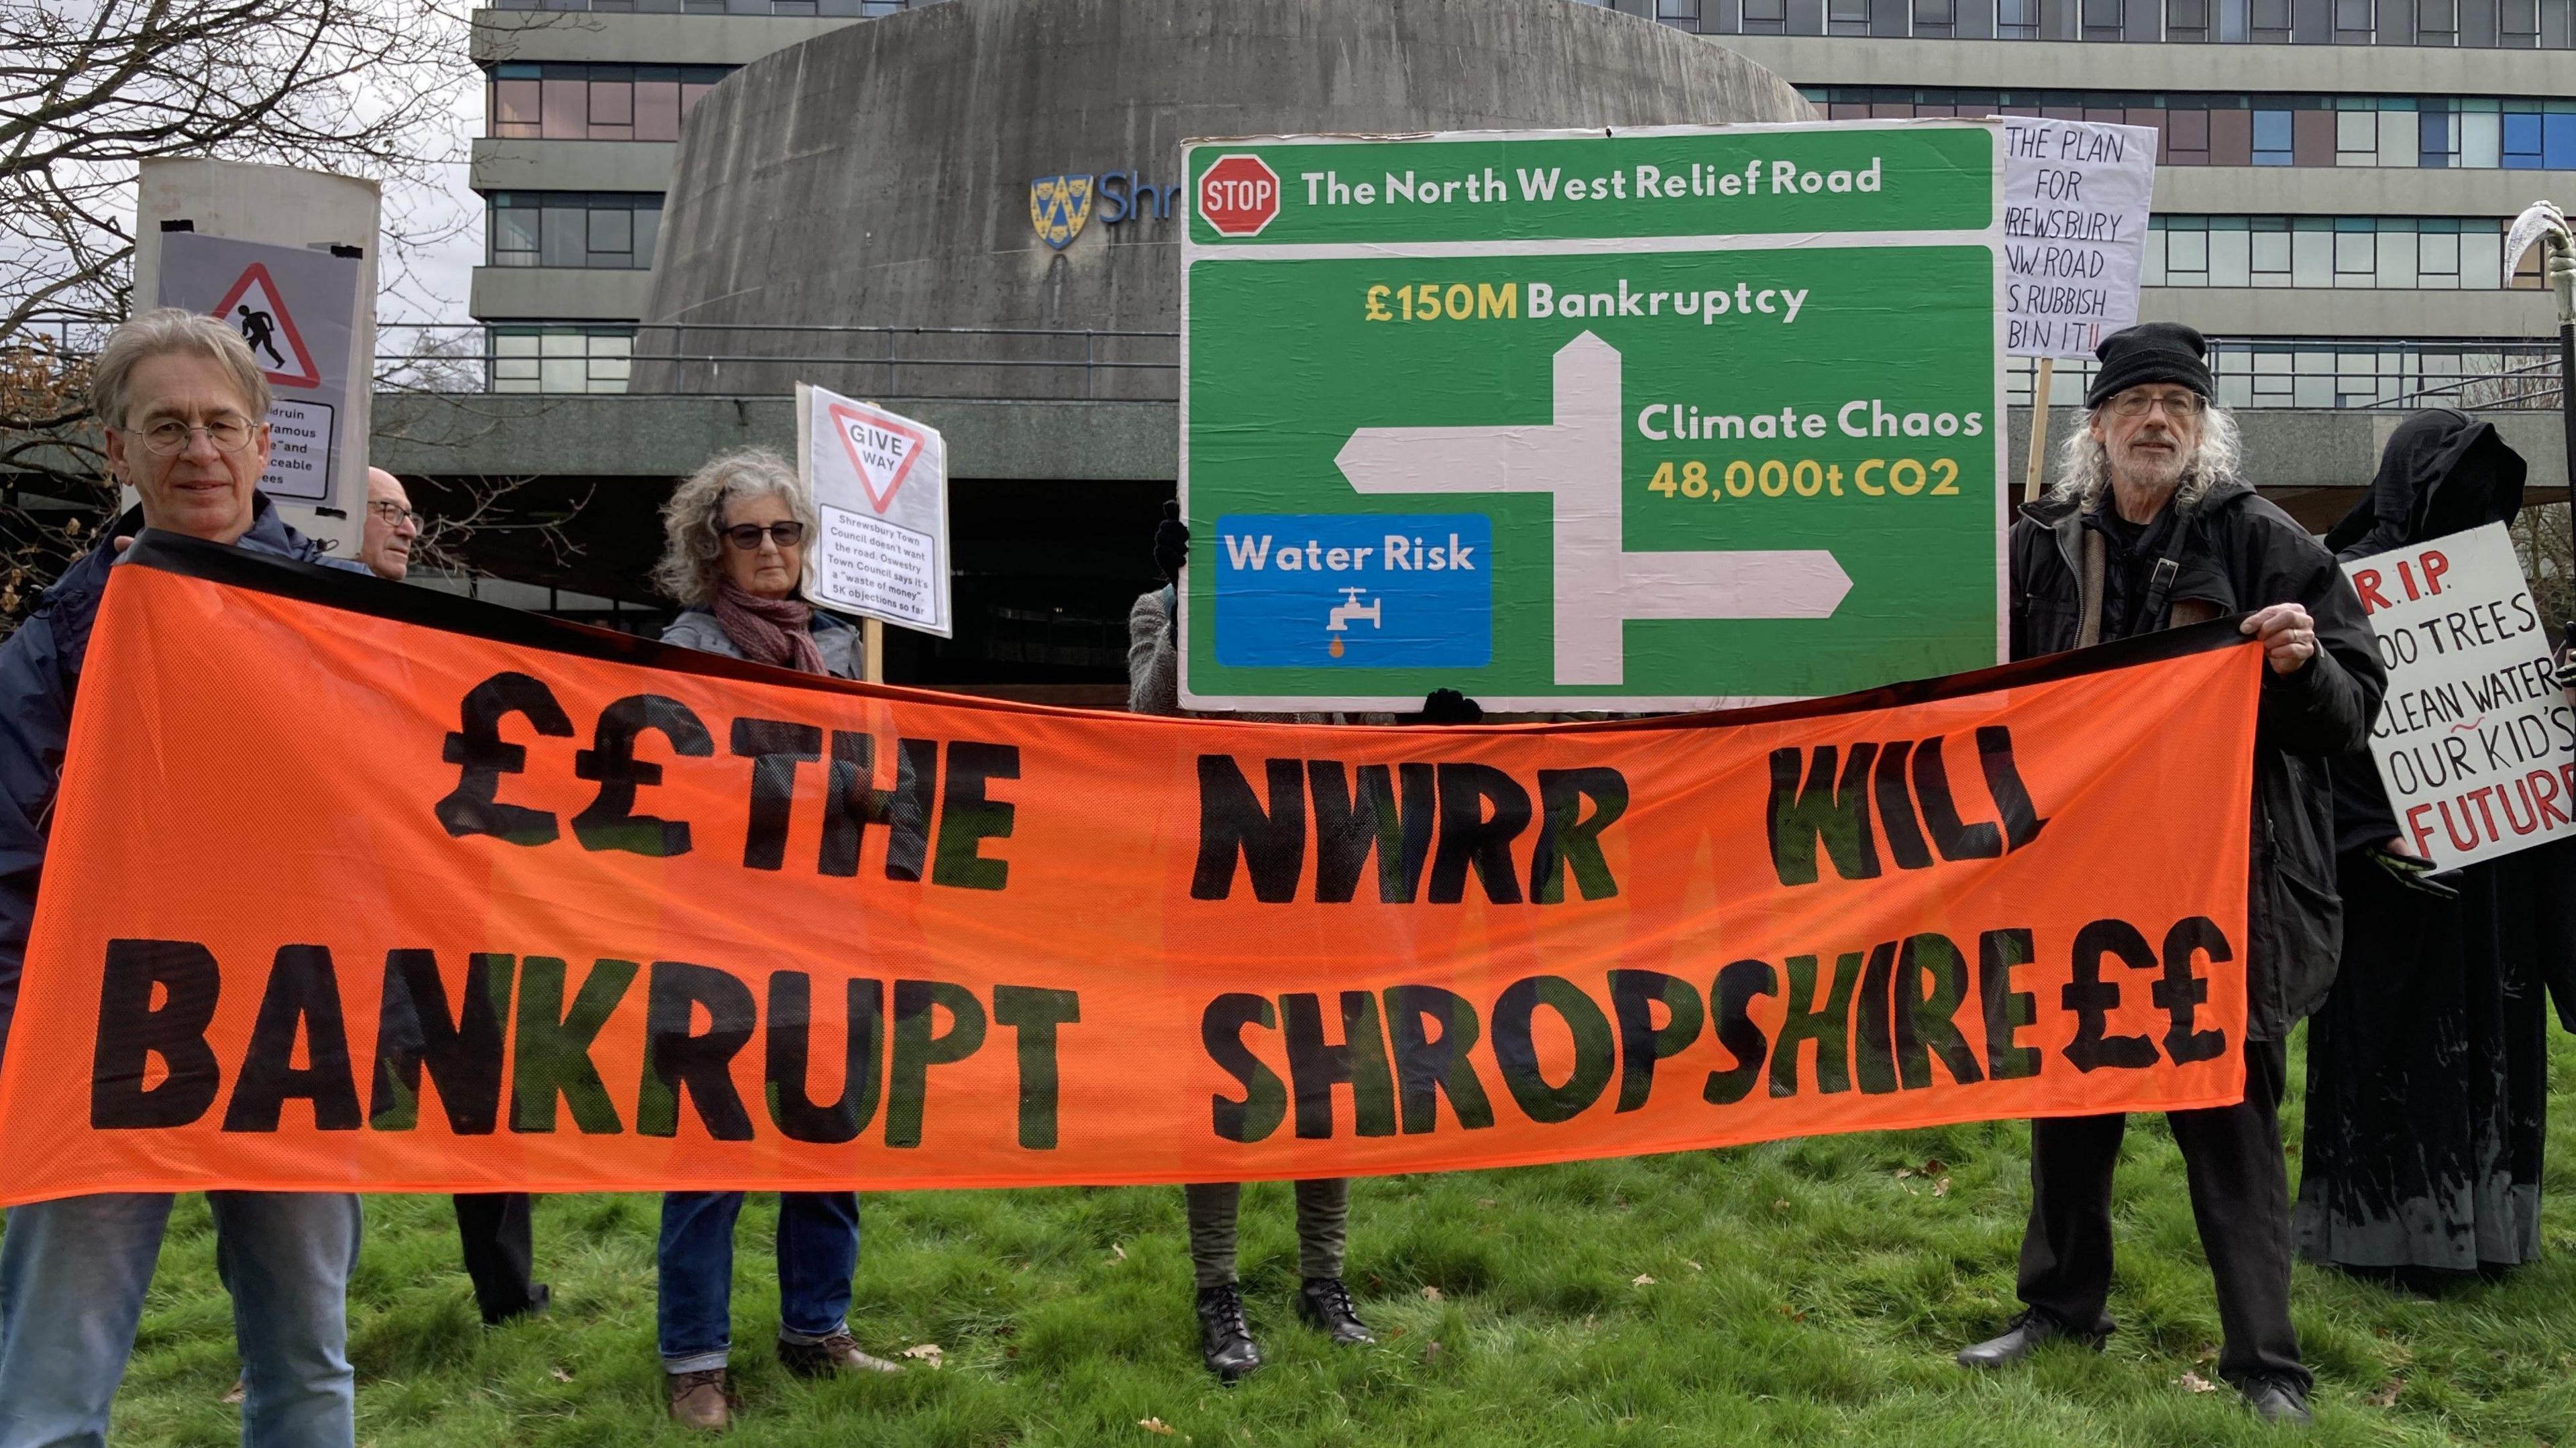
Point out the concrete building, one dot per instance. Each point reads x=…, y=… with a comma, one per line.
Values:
x=2296, y=221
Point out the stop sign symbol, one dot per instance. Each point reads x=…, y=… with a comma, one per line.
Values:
x=1239, y=195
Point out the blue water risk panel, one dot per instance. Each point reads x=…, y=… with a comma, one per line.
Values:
x=1353, y=590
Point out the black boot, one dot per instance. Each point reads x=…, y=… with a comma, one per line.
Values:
x=1326, y=1303
x=2023, y=1337
x=2276, y=1400
x=1224, y=1336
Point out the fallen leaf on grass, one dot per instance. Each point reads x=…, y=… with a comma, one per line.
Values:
x=929, y=1352
x=1431, y=1352
x=1781, y=1205
x=233, y=1395
x=1157, y=1425
x=2386, y=1397
x=1642, y=1280
x=1941, y=1188
x=1903, y=1172
x=1934, y=1167
x=1486, y=1203
x=1431, y=1294
x=561, y=1376
x=1694, y=1266
x=1117, y=1251
x=2194, y=1382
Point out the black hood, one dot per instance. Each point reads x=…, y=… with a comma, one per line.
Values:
x=2443, y=472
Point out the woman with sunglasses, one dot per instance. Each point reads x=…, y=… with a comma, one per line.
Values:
x=736, y=536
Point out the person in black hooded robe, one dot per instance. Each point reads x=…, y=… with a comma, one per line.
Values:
x=2428, y=1065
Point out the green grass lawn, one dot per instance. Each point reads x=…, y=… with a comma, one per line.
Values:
x=1801, y=1292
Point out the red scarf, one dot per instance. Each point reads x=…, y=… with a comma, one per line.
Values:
x=776, y=631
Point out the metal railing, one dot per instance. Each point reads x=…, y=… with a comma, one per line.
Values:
x=1032, y=364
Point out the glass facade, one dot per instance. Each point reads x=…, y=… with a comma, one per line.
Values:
x=559, y=356
x=2386, y=253
x=572, y=101
x=2220, y=129
x=2345, y=372
x=2478, y=24
x=591, y=230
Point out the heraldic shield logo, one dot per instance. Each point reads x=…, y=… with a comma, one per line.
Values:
x=1058, y=205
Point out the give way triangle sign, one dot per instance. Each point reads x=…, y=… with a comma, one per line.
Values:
x=881, y=452
x=256, y=308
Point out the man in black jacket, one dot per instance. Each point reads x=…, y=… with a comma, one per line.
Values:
x=2149, y=527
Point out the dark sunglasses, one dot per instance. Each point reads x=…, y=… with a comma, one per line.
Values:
x=747, y=536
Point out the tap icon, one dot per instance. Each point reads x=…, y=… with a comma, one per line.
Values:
x=1350, y=608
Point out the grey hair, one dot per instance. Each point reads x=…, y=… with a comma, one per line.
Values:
x=693, y=521
x=2084, y=464
x=159, y=333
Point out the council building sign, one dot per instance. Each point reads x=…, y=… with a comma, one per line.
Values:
x=1676, y=417
x=1060, y=205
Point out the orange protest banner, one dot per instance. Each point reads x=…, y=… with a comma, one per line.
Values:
x=358, y=887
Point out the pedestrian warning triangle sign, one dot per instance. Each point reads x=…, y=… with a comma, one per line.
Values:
x=881, y=451
x=255, y=307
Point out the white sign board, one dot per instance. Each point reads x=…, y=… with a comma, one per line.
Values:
x=880, y=482
x=296, y=309
x=2076, y=196
x=319, y=433
x=2476, y=743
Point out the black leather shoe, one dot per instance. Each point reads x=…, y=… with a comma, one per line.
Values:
x=2276, y=1400
x=1326, y=1303
x=2027, y=1331
x=1224, y=1336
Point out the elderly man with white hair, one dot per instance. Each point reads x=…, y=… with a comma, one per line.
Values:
x=2151, y=527
x=185, y=411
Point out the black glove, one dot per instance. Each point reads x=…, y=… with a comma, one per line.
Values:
x=1448, y=706
x=1171, y=543
x=2414, y=874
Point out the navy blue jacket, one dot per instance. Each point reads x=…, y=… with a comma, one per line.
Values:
x=40, y=668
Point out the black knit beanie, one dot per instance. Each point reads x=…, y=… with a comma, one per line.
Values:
x=2151, y=352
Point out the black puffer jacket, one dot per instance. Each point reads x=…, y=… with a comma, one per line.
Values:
x=2239, y=553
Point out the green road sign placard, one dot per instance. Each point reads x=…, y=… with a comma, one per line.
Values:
x=1565, y=420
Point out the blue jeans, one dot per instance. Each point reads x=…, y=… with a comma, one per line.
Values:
x=818, y=1253
x=72, y=1278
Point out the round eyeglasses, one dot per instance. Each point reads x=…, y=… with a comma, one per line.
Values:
x=170, y=437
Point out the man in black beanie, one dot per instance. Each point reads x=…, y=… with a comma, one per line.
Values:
x=2150, y=527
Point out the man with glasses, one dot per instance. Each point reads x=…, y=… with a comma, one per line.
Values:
x=2150, y=527
x=384, y=544
x=183, y=406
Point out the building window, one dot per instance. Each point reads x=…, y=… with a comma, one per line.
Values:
x=566, y=357
x=584, y=230
x=2271, y=22
x=2104, y=19
x=2353, y=18
x=1936, y=17
x=2437, y=22
x=559, y=101
x=2433, y=253
x=2017, y=19
x=1680, y=14
x=1847, y=17
x=1765, y=17
x=2187, y=19
x=2518, y=23
x=2437, y=143
x=2275, y=138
